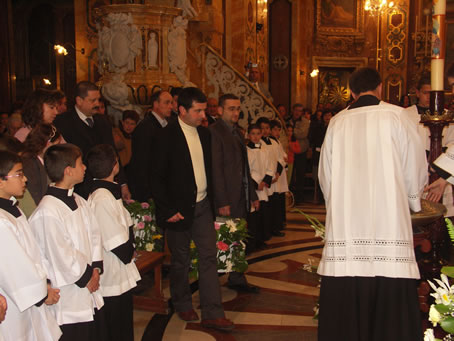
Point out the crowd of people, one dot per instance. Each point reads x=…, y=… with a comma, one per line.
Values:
x=65, y=171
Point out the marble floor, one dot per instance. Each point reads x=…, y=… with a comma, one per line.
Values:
x=283, y=310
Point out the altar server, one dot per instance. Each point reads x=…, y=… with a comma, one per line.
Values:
x=69, y=238
x=120, y=272
x=262, y=174
x=372, y=171
x=23, y=279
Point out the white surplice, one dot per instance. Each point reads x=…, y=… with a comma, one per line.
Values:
x=372, y=171
x=446, y=162
x=448, y=139
x=114, y=222
x=69, y=240
x=23, y=284
x=260, y=166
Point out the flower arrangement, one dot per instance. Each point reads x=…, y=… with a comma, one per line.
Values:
x=442, y=312
x=148, y=236
x=231, y=255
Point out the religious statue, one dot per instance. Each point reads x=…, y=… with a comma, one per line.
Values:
x=177, y=49
x=187, y=8
x=152, y=51
x=119, y=43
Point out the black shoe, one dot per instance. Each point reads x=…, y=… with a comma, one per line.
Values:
x=247, y=288
x=278, y=234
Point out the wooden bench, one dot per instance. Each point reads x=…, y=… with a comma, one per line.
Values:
x=157, y=303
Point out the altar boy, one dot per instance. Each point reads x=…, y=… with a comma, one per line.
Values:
x=69, y=238
x=22, y=277
x=262, y=173
x=120, y=272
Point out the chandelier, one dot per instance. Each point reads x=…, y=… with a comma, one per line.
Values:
x=377, y=7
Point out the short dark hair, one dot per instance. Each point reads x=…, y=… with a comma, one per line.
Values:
x=32, y=111
x=176, y=91
x=131, y=114
x=190, y=95
x=275, y=123
x=10, y=143
x=363, y=80
x=263, y=120
x=424, y=80
x=297, y=105
x=450, y=71
x=38, y=137
x=83, y=87
x=252, y=127
x=58, y=157
x=7, y=161
x=155, y=96
x=226, y=97
x=101, y=160
x=59, y=95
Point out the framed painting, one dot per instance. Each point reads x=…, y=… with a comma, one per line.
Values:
x=340, y=17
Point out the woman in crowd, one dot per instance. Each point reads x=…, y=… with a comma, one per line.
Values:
x=41, y=137
x=122, y=135
x=40, y=107
x=405, y=101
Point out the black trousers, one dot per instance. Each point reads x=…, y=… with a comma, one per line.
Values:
x=369, y=309
x=118, y=312
x=203, y=234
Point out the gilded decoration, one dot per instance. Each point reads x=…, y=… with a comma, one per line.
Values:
x=340, y=17
x=339, y=45
x=396, y=36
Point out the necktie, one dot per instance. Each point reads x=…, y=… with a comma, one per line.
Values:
x=90, y=122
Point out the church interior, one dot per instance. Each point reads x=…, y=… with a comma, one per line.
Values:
x=305, y=51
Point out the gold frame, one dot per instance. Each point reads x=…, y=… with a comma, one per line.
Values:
x=357, y=30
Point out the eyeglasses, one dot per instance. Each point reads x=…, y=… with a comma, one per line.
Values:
x=19, y=175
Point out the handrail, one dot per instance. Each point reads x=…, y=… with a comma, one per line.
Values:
x=220, y=77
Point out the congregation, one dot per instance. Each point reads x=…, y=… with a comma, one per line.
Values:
x=65, y=171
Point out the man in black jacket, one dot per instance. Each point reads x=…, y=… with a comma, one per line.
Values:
x=142, y=143
x=81, y=126
x=182, y=190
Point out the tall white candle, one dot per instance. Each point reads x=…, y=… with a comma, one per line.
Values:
x=438, y=44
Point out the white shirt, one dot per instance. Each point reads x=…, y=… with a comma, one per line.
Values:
x=82, y=116
x=163, y=122
x=372, y=171
x=69, y=240
x=198, y=164
x=23, y=284
x=114, y=222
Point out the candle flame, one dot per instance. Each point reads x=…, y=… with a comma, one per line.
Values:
x=60, y=50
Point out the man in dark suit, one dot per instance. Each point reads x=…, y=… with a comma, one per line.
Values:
x=212, y=110
x=142, y=142
x=182, y=190
x=233, y=186
x=81, y=126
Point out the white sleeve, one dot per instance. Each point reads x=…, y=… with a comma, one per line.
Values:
x=65, y=262
x=254, y=165
x=414, y=163
x=112, y=232
x=446, y=161
x=24, y=283
x=325, y=164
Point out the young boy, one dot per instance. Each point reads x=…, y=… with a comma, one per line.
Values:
x=281, y=186
x=23, y=279
x=70, y=241
x=120, y=272
x=262, y=173
x=278, y=167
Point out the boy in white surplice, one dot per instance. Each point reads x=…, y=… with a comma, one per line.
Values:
x=70, y=240
x=120, y=272
x=372, y=171
x=22, y=275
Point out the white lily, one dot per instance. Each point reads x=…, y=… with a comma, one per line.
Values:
x=442, y=294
